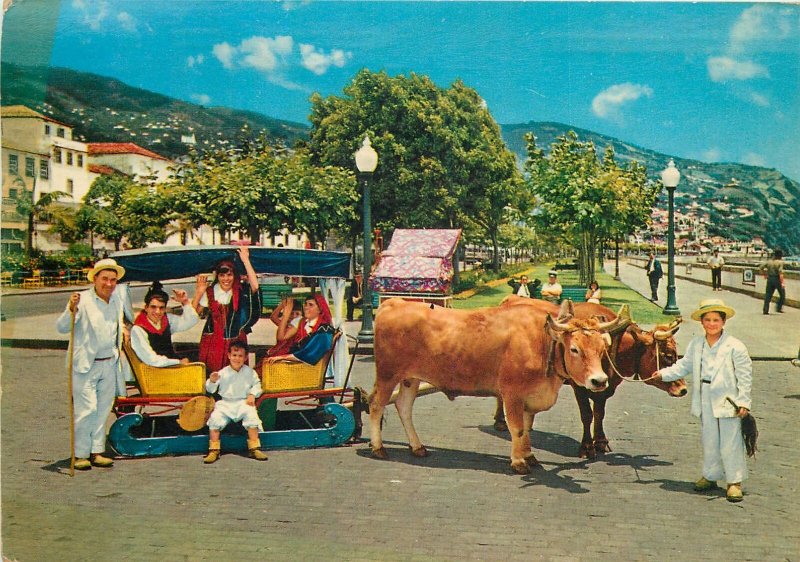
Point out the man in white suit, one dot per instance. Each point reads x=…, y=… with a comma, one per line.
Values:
x=96, y=368
x=721, y=369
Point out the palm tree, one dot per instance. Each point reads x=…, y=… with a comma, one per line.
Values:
x=184, y=227
x=42, y=210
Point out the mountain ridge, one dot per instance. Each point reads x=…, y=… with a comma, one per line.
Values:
x=104, y=109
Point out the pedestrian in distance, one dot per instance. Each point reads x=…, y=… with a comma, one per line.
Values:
x=773, y=271
x=715, y=263
x=97, y=372
x=523, y=287
x=721, y=371
x=654, y=275
x=238, y=386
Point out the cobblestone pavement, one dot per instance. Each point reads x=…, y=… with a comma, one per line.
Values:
x=461, y=503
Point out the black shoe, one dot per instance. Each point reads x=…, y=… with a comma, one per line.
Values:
x=766, y=313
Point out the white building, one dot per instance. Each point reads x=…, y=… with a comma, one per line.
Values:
x=130, y=159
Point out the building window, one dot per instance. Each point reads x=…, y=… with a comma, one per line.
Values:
x=44, y=169
x=80, y=160
x=13, y=193
x=47, y=130
x=60, y=132
x=57, y=155
x=13, y=164
x=70, y=186
x=69, y=158
x=30, y=166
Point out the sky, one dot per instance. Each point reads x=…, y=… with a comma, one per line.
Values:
x=717, y=82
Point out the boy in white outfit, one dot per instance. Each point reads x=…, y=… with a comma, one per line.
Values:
x=722, y=373
x=239, y=386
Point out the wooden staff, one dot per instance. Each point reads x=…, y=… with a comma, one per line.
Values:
x=71, y=400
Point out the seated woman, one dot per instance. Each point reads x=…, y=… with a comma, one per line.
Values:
x=151, y=335
x=593, y=293
x=312, y=337
x=284, y=338
x=233, y=306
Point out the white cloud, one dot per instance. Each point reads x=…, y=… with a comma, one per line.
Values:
x=196, y=60
x=318, y=62
x=609, y=102
x=721, y=69
x=127, y=22
x=713, y=154
x=759, y=23
x=224, y=53
x=92, y=13
x=759, y=99
x=202, y=99
x=754, y=159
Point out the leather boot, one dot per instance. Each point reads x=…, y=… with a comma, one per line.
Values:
x=255, y=452
x=83, y=464
x=213, y=452
x=734, y=492
x=99, y=460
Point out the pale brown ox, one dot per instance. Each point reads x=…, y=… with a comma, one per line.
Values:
x=639, y=355
x=501, y=351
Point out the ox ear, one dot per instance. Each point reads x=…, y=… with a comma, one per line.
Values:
x=567, y=311
x=554, y=328
x=662, y=335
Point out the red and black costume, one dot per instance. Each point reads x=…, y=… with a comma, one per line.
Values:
x=160, y=340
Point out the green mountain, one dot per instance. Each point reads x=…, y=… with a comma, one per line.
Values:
x=104, y=109
x=735, y=201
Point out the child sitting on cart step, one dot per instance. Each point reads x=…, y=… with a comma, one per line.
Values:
x=239, y=386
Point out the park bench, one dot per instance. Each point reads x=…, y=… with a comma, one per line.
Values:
x=272, y=293
x=575, y=294
x=564, y=266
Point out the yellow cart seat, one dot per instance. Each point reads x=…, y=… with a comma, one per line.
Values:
x=284, y=376
x=177, y=380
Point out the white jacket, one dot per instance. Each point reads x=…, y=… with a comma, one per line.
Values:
x=86, y=318
x=732, y=376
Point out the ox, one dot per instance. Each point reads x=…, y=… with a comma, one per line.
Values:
x=639, y=354
x=503, y=351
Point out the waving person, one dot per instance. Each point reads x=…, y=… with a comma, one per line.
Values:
x=312, y=337
x=233, y=306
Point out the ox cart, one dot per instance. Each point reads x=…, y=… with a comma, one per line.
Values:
x=165, y=409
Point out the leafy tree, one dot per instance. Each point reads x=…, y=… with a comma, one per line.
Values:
x=440, y=152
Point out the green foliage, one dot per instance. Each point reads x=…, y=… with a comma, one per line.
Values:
x=440, y=154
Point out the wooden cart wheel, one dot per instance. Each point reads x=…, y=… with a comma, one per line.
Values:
x=195, y=413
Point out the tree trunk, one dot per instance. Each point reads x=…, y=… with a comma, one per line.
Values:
x=31, y=226
x=496, y=249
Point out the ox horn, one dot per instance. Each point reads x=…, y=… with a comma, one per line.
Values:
x=621, y=322
x=662, y=335
x=567, y=311
x=554, y=326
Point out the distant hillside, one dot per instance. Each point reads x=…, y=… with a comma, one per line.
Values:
x=103, y=109
x=773, y=198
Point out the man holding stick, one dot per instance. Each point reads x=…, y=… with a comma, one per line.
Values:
x=98, y=315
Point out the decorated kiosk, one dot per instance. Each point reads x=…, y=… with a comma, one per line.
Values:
x=417, y=265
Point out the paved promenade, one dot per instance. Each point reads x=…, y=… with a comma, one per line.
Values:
x=461, y=503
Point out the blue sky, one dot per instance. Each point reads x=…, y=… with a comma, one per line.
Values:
x=711, y=81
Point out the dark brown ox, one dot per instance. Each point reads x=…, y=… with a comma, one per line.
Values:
x=500, y=351
x=638, y=356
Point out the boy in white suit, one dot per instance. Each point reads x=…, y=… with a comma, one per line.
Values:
x=721, y=369
x=97, y=376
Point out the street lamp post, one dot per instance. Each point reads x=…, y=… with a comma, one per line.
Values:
x=366, y=162
x=670, y=178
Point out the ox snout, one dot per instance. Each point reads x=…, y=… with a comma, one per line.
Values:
x=597, y=383
x=677, y=389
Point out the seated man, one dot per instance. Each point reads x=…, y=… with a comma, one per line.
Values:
x=551, y=291
x=522, y=287
x=151, y=336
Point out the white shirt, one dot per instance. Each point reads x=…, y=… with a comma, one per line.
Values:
x=715, y=261
x=236, y=385
x=220, y=295
x=141, y=343
x=523, y=290
x=552, y=288
x=107, y=325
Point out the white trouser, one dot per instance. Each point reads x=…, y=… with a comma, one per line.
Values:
x=226, y=411
x=723, y=444
x=93, y=394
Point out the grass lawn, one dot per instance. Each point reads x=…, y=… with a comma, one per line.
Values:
x=615, y=294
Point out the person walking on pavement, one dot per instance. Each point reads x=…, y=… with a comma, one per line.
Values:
x=715, y=262
x=654, y=275
x=97, y=376
x=773, y=271
x=721, y=371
